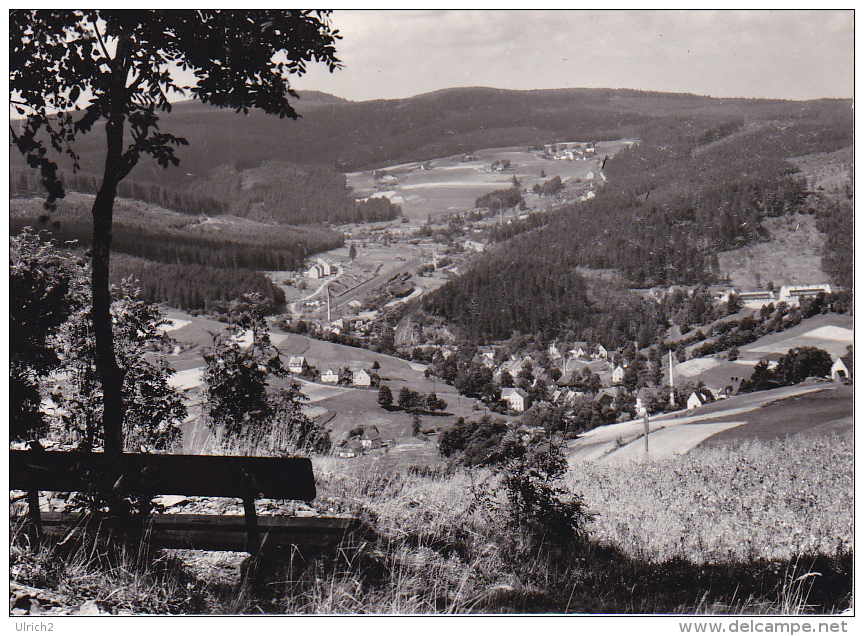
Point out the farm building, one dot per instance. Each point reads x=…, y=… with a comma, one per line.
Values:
x=517, y=399
x=361, y=378
x=298, y=364
x=331, y=375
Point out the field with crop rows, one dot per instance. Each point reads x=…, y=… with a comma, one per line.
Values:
x=759, y=500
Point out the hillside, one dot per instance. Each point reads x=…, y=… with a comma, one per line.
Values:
x=671, y=207
x=188, y=261
x=364, y=135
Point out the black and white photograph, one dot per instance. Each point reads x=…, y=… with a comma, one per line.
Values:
x=423, y=313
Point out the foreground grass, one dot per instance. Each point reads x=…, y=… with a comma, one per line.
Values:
x=769, y=500
x=670, y=537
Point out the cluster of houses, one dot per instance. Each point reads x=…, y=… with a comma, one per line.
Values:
x=570, y=151
x=517, y=398
x=331, y=375
x=321, y=269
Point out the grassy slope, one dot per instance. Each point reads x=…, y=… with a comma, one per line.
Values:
x=793, y=254
x=697, y=534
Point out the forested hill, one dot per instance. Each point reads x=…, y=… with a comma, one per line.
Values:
x=687, y=191
x=274, y=192
x=363, y=135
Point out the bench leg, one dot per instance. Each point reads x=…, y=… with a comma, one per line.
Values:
x=35, y=517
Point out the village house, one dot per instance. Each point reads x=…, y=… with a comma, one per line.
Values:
x=606, y=396
x=579, y=350
x=554, y=353
x=321, y=269
x=699, y=397
x=298, y=364
x=569, y=379
x=487, y=352
x=599, y=351
x=362, y=378
x=371, y=438
x=618, y=375
x=642, y=402
x=517, y=399
x=331, y=375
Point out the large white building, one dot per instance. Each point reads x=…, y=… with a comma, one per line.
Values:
x=792, y=295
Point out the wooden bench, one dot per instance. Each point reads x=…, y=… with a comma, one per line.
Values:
x=147, y=476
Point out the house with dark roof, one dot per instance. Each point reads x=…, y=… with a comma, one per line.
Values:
x=699, y=397
x=516, y=398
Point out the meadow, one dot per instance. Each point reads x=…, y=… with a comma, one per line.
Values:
x=762, y=528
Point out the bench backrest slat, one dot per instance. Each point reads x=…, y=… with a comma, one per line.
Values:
x=194, y=475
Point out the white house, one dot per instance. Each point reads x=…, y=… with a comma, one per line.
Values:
x=298, y=364
x=600, y=352
x=362, y=378
x=517, y=399
x=839, y=372
x=331, y=375
x=618, y=375
x=698, y=398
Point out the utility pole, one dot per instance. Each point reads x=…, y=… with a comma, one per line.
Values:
x=645, y=421
x=671, y=382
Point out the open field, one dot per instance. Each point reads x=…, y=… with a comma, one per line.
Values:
x=344, y=408
x=827, y=171
x=766, y=415
x=831, y=332
x=452, y=184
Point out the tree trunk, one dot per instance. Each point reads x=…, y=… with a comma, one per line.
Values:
x=110, y=373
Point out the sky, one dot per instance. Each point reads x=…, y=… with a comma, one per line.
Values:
x=775, y=54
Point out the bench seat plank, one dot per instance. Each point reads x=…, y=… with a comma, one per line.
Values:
x=214, y=532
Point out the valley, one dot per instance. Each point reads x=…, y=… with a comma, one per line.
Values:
x=428, y=345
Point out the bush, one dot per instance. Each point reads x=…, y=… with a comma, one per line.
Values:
x=538, y=504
